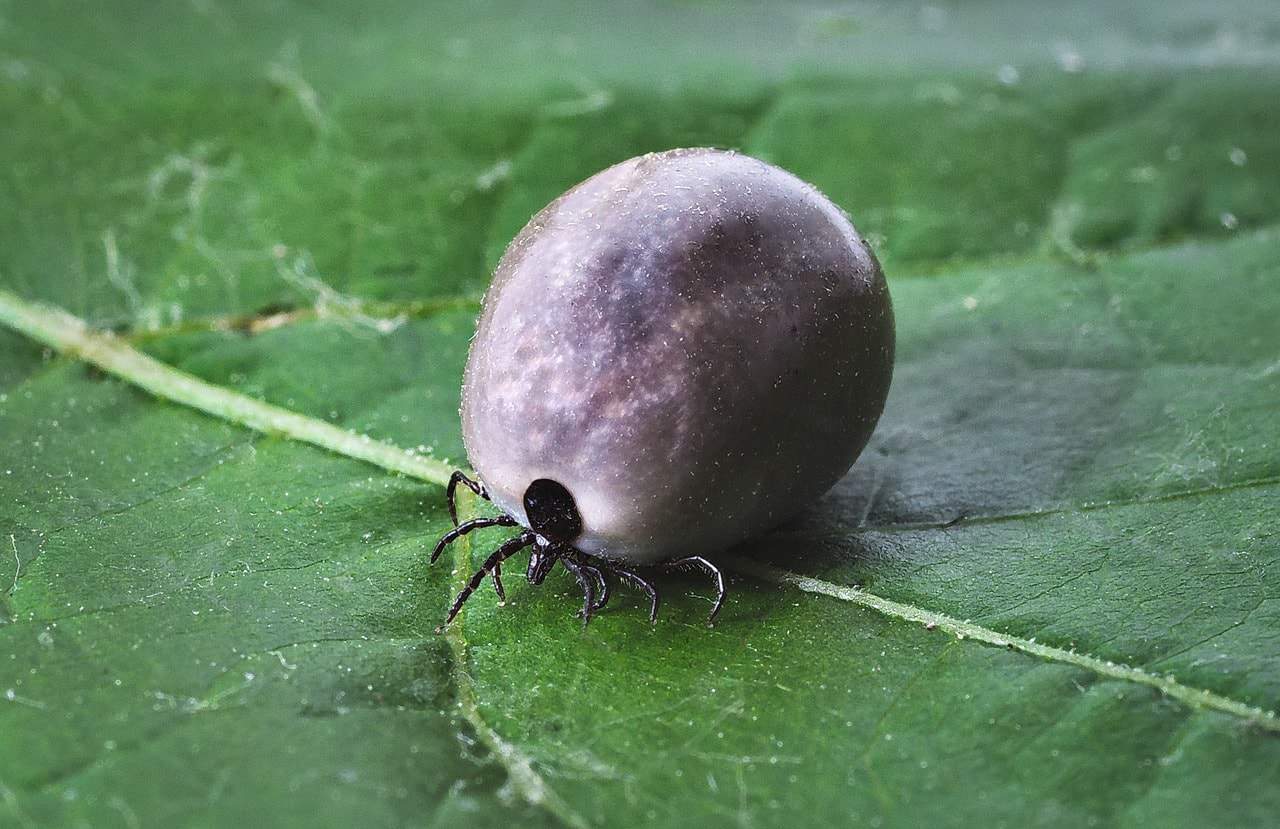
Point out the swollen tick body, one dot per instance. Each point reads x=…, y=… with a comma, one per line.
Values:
x=675, y=355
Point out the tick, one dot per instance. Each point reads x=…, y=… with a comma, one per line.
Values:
x=676, y=355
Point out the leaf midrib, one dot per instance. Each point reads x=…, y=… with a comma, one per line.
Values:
x=66, y=333
x=1189, y=695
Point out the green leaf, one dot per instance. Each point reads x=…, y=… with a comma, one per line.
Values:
x=215, y=605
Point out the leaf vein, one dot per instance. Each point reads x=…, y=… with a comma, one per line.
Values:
x=1186, y=694
x=531, y=785
x=62, y=331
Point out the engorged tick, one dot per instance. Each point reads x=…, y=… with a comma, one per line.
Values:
x=675, y=355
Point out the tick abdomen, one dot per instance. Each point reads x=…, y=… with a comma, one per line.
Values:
x=694, y=343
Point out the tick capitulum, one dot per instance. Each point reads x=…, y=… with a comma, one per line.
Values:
x=554, y=524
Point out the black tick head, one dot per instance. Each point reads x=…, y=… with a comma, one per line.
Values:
x=552, y=512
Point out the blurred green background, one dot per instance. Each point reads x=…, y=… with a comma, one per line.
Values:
x=1075, y=204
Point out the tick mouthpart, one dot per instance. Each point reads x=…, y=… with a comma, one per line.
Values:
x=541, y=560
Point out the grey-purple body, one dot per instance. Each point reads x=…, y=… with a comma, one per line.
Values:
x=694, y=343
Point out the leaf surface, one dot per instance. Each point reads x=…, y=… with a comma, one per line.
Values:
x=1078, y=212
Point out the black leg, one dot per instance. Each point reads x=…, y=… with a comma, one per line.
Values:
x=601, y=583
x=497, y=583
x=466, y=527
x=595, y=568
x=639, y=581
x=509, y=548
x=587, y=583
x=700, y=563
x=459, y=478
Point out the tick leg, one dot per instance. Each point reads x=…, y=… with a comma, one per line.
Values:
x=459, y=478
x=639, y=581
x=594, y=568
x=700, y=563
x=466, y=527
x=509, y=548
x=497, y=583
x=595, y=573
x=587, y=583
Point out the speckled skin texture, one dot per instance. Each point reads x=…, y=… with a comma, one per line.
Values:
x=695, y=343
